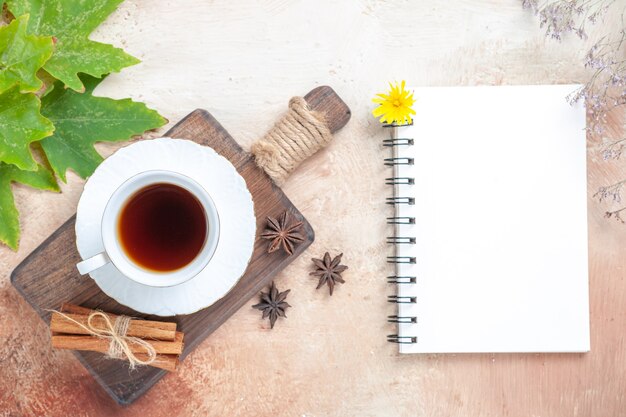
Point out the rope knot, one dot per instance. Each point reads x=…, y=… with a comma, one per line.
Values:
x=298, y=135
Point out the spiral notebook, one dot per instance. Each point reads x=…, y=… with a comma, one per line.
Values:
x=490, y=224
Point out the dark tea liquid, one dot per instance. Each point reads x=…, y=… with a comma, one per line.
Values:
x=162, y=227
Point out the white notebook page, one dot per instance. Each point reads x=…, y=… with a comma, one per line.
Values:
x=500, y=221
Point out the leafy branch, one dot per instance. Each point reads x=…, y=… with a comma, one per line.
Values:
x=49, y=69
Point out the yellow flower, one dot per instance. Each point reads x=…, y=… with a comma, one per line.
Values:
x=395, y=107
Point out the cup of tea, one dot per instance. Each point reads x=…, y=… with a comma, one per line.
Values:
x=159, y=228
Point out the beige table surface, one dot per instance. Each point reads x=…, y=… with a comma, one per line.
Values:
x=242, y=61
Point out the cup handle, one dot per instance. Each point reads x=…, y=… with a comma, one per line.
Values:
x=93, y=263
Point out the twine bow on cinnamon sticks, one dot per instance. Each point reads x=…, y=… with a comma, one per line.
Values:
x=140, y=342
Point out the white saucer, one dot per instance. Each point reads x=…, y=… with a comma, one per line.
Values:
x=230, y=195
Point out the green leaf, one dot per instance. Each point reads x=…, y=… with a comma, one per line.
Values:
x=9, y=216
x=80, y=120
x=71, y=22
x=20, y=124
x=21, y=56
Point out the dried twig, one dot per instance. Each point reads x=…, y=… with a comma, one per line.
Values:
x=606, y=88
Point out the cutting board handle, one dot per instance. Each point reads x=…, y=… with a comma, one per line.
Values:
x=305, y=129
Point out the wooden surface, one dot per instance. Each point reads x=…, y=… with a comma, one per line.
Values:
x=48, y=277
x=242, y=61
x=325, y=100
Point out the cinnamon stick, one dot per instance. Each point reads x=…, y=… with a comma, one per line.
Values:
x=166, y=362
x=95, y=344
x=145, y=329
x=74, y=309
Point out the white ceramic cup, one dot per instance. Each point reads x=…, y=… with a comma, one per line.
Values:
x=113, y=251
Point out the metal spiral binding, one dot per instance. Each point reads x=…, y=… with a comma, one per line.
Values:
x=386, y=125
x=394, y=338
x=397, y=220
x=400, y=181
x=400, y=220
x=398, y=142
x=402, y=319
x=395, y=279
x=402, y=299
x=401, y=260
x=399, y=161
x=399, y=240
x=401, y=200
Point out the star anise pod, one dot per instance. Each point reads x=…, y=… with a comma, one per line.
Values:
x=283, y=233
x=273, y=304
x=329, y=271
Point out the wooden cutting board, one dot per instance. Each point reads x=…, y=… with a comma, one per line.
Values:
x=48, y=276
